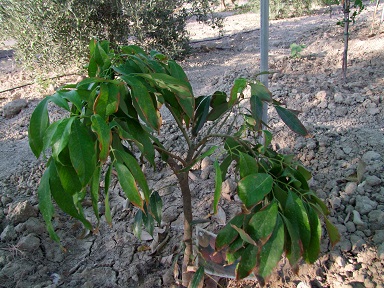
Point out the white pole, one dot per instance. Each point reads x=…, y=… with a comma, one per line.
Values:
x=264, y=37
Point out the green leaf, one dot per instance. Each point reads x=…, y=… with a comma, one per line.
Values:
x=294, y=246
x=59, y=101
x=227, y=235
x=333, y=233
x=68, y=177
x=256, y=108
x=217, y=112
x=297, y=215
x=291, y=120
x=198, y=278
x=138, y=223
x=148, y=221
x=247, y=262
x=104, y=135
x=178, y=72
x=82, y=152
x=156, y=206
x=248, y=165
x=61, y=137
x=95, y=184
x=107, y=181
x=72, y=96
x=218, y=186
x=253, y=188
x=179, y=88
x=37, y=126
x=272, y=250
x=244, y=235
x=201, y=114
x=263, y=222
x=107, y=102
x=143, y=102
x=128, y=184
x=261, y=92
x=238, y=87
x=267, y=138
x=136, y=171
x=63, y=198
x=45, y=204
x=312, y=253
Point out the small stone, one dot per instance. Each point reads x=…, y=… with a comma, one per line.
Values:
x=357, y=242
x=347, y=149
x=373, y=111
x=350, y=226
x=33, y=225
x=364, y=205
x=369, y=284
x=8, y=234
x=340, y=261
x=29, y=243
x=378, y=238
x=372, y=180
x=13, y=108
x=335, y=202
x=206, y=162
x=20, y=212
x=376, y=219
x=345, y=245
x=350, y=188
x=349, y=268
x=342, y=229
x=357, y=218
x=371, y=156
x=338, y=98
x=321, y=95
x=380, y=251
x=303, y=285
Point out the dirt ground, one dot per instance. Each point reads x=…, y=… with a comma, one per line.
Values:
x=346, y=125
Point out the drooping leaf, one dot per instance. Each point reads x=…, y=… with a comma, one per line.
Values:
x=256, y=108
x=177, y=71
x=143, y=102
x=244, y=235
x=247, y=262
x=272, y=250
x=95, y=184
x=333, y=233
x=45, y=204
x=60, y=138
x=198, y=278
x=218, y=186
x=238, y=87
x=63, y=198
x=136, y=171
x=107, y=181
x=263, y=222
x=294, y=246
x=82, y=152
x=248, y=165
x=261, y=92
x=312, y=253
x=107, y=102
x=291, y=120
x=104, y=135
x=128, y=184
x=253, y=188
x=297, y=215
x=267, y=138
x=201, y=114
x=38, y=124
x=227, y=235
x=138, y=223
x=72, y=96
x=59, y=101
x=156, y=206
x=68, y=178
x=179, y=88
x=148, y=221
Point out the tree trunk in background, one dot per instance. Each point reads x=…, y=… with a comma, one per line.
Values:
x=346, y=7
x=264, y=47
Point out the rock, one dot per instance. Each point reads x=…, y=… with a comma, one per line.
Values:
x=8, y=234
x=206, y=163
x=227, y=188
x=376, y=219
x=13, y=108
x=20, y=212
x=29, y=243
x=357, y=242
x=380, y=251
x=350, y=188
x=364, y=205
x=372, y=180
x=335, y=202
x=350, y=226
x=345, y=245
x=338, y=98
x=370, y=156
x=373, y=111
x=342, y=229
x=357, y=219
x=378, y=238
x=303, y=285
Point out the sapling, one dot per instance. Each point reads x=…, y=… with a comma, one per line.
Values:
x=114, y=115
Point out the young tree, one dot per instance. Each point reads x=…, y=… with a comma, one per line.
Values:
x=115, y=112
